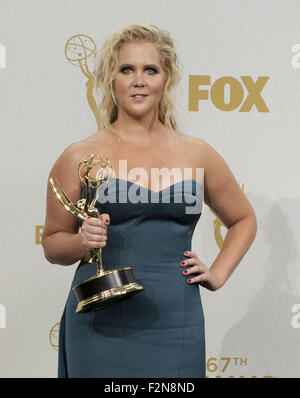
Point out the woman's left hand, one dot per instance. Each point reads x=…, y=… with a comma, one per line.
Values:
x=206, y=278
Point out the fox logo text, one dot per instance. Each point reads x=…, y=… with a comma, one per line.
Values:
x=227, y=93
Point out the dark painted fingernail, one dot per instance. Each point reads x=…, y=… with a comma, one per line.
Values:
x=189, y=280
x=182, y=263
x=185, y=272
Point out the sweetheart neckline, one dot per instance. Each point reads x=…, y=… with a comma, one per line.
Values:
x=150, y=190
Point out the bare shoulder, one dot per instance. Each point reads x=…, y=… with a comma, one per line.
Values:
x=212, y=161
x=196, y=145
x=66, y=165
x=78, y=150
x=71, y=155
x=102, y=136
x=222, y=192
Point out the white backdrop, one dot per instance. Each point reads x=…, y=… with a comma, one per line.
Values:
x=44, y=108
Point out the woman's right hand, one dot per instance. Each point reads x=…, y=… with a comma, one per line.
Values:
x=94, y=232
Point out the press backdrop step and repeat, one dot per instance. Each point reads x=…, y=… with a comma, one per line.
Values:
x=240, y=92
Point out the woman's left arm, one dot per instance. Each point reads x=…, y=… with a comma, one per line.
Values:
x=225, y=197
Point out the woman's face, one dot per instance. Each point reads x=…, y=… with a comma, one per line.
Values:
x=139, y=72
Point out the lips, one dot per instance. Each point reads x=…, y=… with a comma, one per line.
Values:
x=138, y=95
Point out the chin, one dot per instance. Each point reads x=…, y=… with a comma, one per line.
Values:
x=135, y=112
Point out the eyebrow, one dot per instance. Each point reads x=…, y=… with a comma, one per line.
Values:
x=147, y=66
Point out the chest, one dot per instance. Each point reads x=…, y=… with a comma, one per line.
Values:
x=154, y=167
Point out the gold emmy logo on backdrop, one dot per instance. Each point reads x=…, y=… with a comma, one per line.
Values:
x=80, y=49
x=217, y=227
x=38, y=234
x=53, y=336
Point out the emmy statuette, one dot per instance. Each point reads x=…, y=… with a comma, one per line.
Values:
x=106, y=287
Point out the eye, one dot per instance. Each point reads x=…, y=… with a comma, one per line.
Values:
x=151, y=69
x=125, y=68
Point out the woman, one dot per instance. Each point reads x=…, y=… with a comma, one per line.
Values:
x=160, y=331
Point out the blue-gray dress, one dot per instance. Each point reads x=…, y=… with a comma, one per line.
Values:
x=159, y=332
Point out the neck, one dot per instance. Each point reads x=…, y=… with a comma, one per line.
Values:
x=131, y=128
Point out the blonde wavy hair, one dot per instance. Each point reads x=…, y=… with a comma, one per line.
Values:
x=106, y=70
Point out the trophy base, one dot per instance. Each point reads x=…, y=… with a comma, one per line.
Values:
x=108, y=298
x=105, y=289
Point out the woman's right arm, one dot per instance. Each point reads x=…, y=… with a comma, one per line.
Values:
x=61, y=241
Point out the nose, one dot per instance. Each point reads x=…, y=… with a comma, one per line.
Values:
x=138, y=80
x=139, y=84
